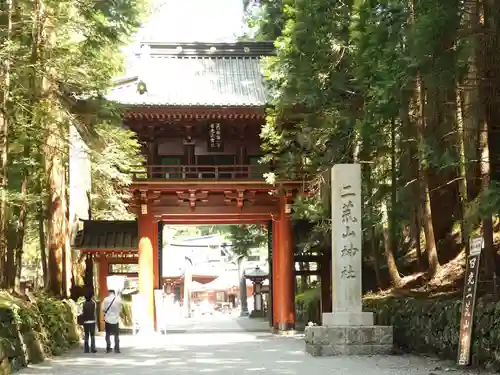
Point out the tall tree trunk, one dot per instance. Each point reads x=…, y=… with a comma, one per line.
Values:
x=20, y=232
x=489, y=250
x=424, y=197
x=430, y=240
x=471, y=93
x=43, y=244
x=54, y=165
x=18, y=229
x=374, y=242
x=20, y=210
x=462, y=169
x=37, y=85
x=390, y=230
x=56, y=210
x=483, y=73
x=417, y=233
x=68, y=274
x=394, y=190
x=480, y=65
x=415, y=221
x=471, y=112
x=389, y=253
x=10, y=258
x=489, y=78
x=5, y=67
x=374, y=248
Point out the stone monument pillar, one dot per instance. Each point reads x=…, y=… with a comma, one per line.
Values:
x=347, y=329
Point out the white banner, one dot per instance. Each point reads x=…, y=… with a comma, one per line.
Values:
x=161, y=321
x=139, y=312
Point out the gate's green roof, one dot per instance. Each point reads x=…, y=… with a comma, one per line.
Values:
x=107, y=234
x=198, y=75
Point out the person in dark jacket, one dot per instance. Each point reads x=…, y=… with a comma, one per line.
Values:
x=89, y=322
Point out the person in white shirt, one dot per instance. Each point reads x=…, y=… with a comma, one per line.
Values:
x=111, y=307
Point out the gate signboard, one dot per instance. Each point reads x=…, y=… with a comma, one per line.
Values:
x=469, y=301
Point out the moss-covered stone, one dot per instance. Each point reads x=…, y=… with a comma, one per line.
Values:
x=431, y=326
x=30, y=331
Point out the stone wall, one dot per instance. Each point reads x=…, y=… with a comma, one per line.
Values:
x=431, y=326
x=32, y=330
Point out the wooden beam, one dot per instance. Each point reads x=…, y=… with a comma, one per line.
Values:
x=165, y=185
x=214, y=211
x=199, y=220
x=193, y=113
x=212, y=222
x=108, y=251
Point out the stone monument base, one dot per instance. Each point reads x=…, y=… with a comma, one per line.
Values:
x=344, y=318
x=324, y=341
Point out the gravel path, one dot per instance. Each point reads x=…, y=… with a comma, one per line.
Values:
x=229, y=353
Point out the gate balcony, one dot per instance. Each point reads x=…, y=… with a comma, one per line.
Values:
x=200, y=172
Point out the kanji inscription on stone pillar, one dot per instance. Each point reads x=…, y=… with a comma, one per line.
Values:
x=346, y=236
x=346, y=248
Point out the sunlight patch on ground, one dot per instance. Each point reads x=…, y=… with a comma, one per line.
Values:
x=225, y=354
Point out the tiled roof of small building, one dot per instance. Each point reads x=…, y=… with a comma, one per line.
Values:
x=197, y=75
x=107, y=235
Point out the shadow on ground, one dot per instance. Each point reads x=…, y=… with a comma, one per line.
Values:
x=227, y=354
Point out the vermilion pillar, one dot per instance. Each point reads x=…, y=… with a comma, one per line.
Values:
x=103, y=285
x=275, y=276
x=285, y=271
x=156, y=258
x=146, y=265
x=156, y=265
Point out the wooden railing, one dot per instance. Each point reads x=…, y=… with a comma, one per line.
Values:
x=200, y=172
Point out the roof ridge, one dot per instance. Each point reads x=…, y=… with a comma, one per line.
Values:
x=241, y=48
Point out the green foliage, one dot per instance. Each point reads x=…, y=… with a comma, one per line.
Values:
x=487, y=203
x=111, y=167
x=265, y=19
x=432, y=326
x=343, y=89
x=63, y=58
x=307, y=305
x=59, y=321
x=180, y=232
x=243, y=238
x=32, y=331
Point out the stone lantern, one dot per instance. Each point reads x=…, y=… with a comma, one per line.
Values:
x=257, y=276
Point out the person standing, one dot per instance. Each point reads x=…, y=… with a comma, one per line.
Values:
x=111, y=307
x=89, y=321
